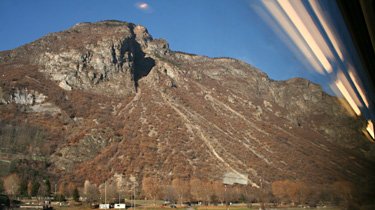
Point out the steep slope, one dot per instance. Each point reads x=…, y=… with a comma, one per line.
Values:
x=106, y=98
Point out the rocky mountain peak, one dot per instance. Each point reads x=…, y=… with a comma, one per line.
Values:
x=86, y=55
x=105, y=98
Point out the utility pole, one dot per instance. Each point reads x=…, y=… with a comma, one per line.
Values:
x=105, y=193
x=261, y=195
x=133, y=179
x=226, y=197
x=134, y=196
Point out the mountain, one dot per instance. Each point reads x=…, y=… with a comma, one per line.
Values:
x=104, y=99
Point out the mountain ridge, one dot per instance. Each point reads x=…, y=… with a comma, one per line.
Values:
x=109, y=99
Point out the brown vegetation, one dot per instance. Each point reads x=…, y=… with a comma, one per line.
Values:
x=192, y=120
x=151, y=188
x=12, y=184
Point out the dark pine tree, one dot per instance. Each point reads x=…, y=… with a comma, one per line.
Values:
x=75, y=195
x=35, y=188
x=23, y=188
x=48, y=187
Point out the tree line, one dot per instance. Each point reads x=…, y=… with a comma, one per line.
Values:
x=179, y=191
x=13, y=185
x=280, y=192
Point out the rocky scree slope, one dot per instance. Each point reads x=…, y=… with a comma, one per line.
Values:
x=105, y=98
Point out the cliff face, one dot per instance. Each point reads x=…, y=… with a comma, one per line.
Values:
x=106, y=98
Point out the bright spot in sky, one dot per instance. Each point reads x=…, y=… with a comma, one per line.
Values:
x=142, y=6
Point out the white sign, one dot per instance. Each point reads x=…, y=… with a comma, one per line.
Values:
x=120, y=206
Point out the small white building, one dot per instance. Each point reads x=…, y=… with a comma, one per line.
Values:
x=120, y=206
x=104, y=206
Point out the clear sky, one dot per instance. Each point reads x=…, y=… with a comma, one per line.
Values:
x=215, y=28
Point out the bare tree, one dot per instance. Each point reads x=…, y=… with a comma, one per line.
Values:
x=170, y=193
x=305, y=192
x=279, y=189
x=233, y=193
x=61, y=188
x=112, y=192
x=344, y=191
x=219, y=190
x=182, y=189
x=196, y=190
x=91, y=192
x=86, y=185
x=12, y=184
x=150, y=187
x=69, y=189
x=208, y=192
x=291, y=191
x=249, y=195
x=29, y=188
x=121, y=186
x=108, y=191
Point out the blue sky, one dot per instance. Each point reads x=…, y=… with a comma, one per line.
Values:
x=214, y=28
